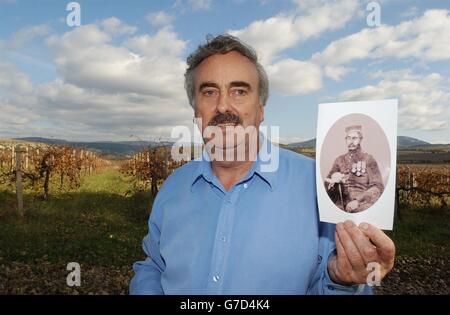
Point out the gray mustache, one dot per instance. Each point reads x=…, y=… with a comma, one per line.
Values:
x=227, y=118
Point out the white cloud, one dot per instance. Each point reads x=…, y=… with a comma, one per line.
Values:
x=424, y=38
x=411, y=12
x=291, y=76
x=164, y=43
x=66, y=110
x=24, y=35
x=115, y=26
x=270, y=37
x=159, y=18
x=106, y=90
x=273, y=35
x=84, y=36
x=200, y=4
x=11, y=79
x=336, y=73
x=424, y=101
x=195, y=5
x=144, y=64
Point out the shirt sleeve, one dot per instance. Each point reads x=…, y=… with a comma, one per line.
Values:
x=147, y=277
x=321, y=282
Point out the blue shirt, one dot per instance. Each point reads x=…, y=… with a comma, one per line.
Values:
x=263, y=236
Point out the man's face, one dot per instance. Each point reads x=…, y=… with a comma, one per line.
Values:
x=226, y=94
x=353, y=140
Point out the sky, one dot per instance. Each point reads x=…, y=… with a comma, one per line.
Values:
x=119, y=74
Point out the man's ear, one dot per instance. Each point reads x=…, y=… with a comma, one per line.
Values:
x=261, y=108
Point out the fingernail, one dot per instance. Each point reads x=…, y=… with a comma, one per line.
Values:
x=348, y=224
x=364, y=226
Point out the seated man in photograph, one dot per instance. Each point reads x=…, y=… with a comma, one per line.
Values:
x=354, y=182
x=226, y=226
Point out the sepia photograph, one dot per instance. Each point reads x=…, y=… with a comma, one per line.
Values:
x=357, y=178
x=355, y=159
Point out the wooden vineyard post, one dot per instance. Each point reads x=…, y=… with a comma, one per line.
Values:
x=12, y=158
x=19, y=187
x=166, y=164
x=1, y=157
x=27, y=159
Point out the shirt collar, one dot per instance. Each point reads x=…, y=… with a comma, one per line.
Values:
x=204, y=169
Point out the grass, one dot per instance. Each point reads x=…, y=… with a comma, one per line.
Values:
x=100, y=223
x=422, y=232
x=422, y=260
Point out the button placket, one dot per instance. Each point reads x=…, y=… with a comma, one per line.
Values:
x=222, y=243
x=220, y=246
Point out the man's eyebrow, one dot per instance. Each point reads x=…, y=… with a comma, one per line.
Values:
x=241, y=84
x=232, y=84
x=208, y=84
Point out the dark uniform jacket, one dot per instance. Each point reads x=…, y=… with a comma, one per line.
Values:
x=362, y=182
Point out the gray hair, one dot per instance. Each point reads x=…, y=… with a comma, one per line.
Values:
x=223, y=44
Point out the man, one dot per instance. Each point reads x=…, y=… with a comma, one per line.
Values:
x=226, y=226
x=354, y=182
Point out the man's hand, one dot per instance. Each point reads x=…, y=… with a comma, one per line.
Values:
x=356, y=248
x=352, y=206
x=335, y=178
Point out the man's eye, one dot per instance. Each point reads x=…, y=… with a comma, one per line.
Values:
x=209, y=92
x=239, y=92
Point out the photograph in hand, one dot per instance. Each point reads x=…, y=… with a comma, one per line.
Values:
x=356, y=161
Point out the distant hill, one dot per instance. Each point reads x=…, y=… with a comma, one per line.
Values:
x=402, y=143
x=410, y=150
x=106, y=149
x=305, y=144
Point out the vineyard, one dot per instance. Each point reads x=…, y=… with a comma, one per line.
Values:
x=423, y=185
x=39, y=167
x=150, y=168
x=43, y=168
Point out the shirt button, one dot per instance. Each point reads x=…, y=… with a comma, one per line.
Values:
x=216, y=278
x=223, y=239
x=319, y=258
x=245, y=186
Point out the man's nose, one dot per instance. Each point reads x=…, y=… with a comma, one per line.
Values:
x=223, y=106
